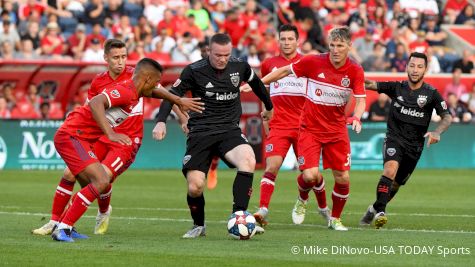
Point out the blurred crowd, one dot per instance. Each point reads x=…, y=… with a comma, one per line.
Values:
x=384, y=32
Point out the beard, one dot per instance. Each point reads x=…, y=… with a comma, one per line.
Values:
x=415, y=81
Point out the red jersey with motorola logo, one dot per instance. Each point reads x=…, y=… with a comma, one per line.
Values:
x=133, y=126
x=288, y=94
x=328, y=91
x=123, y=103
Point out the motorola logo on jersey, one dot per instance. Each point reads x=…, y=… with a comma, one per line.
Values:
x=226, y=96
x=412, y=112
x=319, y=92
x=288, y=84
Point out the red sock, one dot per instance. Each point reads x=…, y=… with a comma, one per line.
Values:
x=320, y=193
x=304, y=187
x=105, y=199
x=339, y=196
x=82, y=201
x=61, y=197
x=267, y=188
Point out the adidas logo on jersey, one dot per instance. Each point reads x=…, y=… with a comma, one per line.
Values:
x=321, y=75
x=412, y=112
x=209, y=85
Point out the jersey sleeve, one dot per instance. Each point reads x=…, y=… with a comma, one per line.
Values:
x=388, y=88
x=248, y=72
x=439, y=104
x=184, y=83
x=302, y=67
x=118, y=96
x=358, y=84
x=93, y=90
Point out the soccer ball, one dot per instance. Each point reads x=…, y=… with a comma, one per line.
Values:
x=241, y=225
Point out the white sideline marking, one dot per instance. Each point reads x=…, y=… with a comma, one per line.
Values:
x=224, y=222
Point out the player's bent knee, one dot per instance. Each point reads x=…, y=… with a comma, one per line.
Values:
x=341, y=177
x=310, y=175
x=247, y=164
x=68, y=175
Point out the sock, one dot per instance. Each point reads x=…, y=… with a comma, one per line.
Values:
x=319, y=190
x=382, y=194
x=393, y=192
x=61, y=198
x=304, y=187
x=104, y=200
x=84, y=198
x=267, y=188
x=242, y=190
x=339, y=196
x=214, y=163
x=197, y=209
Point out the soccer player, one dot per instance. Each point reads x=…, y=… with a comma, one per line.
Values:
x=409, y=117
x=216, y=131
x=85, y=125
x=288, y=97
x=332, y=78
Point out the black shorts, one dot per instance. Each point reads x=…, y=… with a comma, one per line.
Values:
x=200, y=149
x=406, y=155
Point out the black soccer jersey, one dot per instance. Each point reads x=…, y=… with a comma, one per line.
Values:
x=219, y=90
x=411, y=110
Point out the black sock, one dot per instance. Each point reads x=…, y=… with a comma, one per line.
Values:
x=197, y=209
x=393, y=192
x=242, y=190
x=382, y=193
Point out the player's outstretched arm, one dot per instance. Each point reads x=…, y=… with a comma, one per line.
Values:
x=261, y=92
x=371, y=85
x=185, y=104
x=355, y=120
x=434, y=137
x=98, y=106
x=277, y=74
x=182, y=119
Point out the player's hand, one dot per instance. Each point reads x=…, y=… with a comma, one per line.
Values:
x=191, y=104
x=355, y=123
x=184, y=127
x=433, y=138
x=245, y=88
x=267, y=114
x=159, y=131
x=120, y=138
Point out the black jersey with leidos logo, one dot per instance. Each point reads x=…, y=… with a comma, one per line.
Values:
x=218, y=89
x=411, y=110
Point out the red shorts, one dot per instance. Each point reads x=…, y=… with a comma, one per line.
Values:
x=76, y=153
x=336, y=154
x=278, y=142
x=115, y=156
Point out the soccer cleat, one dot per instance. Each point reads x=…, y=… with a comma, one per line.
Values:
x=76, y=235
x=195, y=232
x=380, y=220
x=367, y=219
x=298, y=213
x=102, y=221
x=260, y=216
x=62, y=235
x=259, y=230
x=46, y=229
x=325, y=213
x=212, y=178
x=335, y=224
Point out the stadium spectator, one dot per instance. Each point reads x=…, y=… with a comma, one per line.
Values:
x=433, y=61
x=10, y=34
x=377, y=61
x=363, y=46
x=154, y=10
x=434, y=34
x=142, y=29
x=159, y=55
x=464, y=64
x=236, y=29
x=9, y=96
x=269, y=44
x=471, y=100
x=167, y=23
x=7, y=52
x=459, y=112
x=44, y=111
x=455, y=87
x=168, y=42
x=32, y=96
x=25, y=10
x=26, y=51
x=180, y=20
x=95, y=34
x=467, y=16
x=202, y=17
x=399, y=62
x=94, y=53
x=252, y=56
x=379, y=109
x=453, y=8
x=419, y=45
x=307, y=48
x=218, y=16
x=33, y=34
x=192, y=28
x=185, y=50
x=66, y=18
x=52, y=44
x=138, y=52
x=124, y=28
x=94, y=12
x=77, y=42
x=115, y=10
x=47, y=91
x=4, y=111
x=10, y=8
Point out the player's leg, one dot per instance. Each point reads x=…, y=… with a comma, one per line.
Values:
x=321, y=195
x=212, y=176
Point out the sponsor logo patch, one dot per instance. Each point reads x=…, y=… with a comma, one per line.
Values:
x=115, y=93
x=186, y=159
x=391, y=151
x=301, y=160
x=92, y=155
x=269, y=147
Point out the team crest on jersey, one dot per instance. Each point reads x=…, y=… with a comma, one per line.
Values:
x=137, y=140
x=235, y=79
x=177, y=82
x=391, y=151
x=345, y=81
x=443, y=104
x=92, y=155
x=269, y=147
x=301, y=160
x=421, y=100
x=115, y=93
x=186, y=159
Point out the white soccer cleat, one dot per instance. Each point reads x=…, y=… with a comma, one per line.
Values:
x=325, y=213
x=102, y=221
x=261, y=216
x=259, y=230
x=46, y=229
x=368, y=217
x=335, y=224
x=298, y=213
x=195, y=232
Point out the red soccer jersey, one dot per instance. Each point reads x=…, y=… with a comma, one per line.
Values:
x=328, y=92
x=132, y=126
x=288, y=94
x=122, y=98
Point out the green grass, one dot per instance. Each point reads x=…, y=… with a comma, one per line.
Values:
x=435, y=208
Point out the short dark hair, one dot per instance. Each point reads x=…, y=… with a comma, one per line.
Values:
x=418, y=55
x=220, y=38
x=112, y=43
x=148, y=63
x=289, y=28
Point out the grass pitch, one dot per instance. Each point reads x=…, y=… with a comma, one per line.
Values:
x=431, y=223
